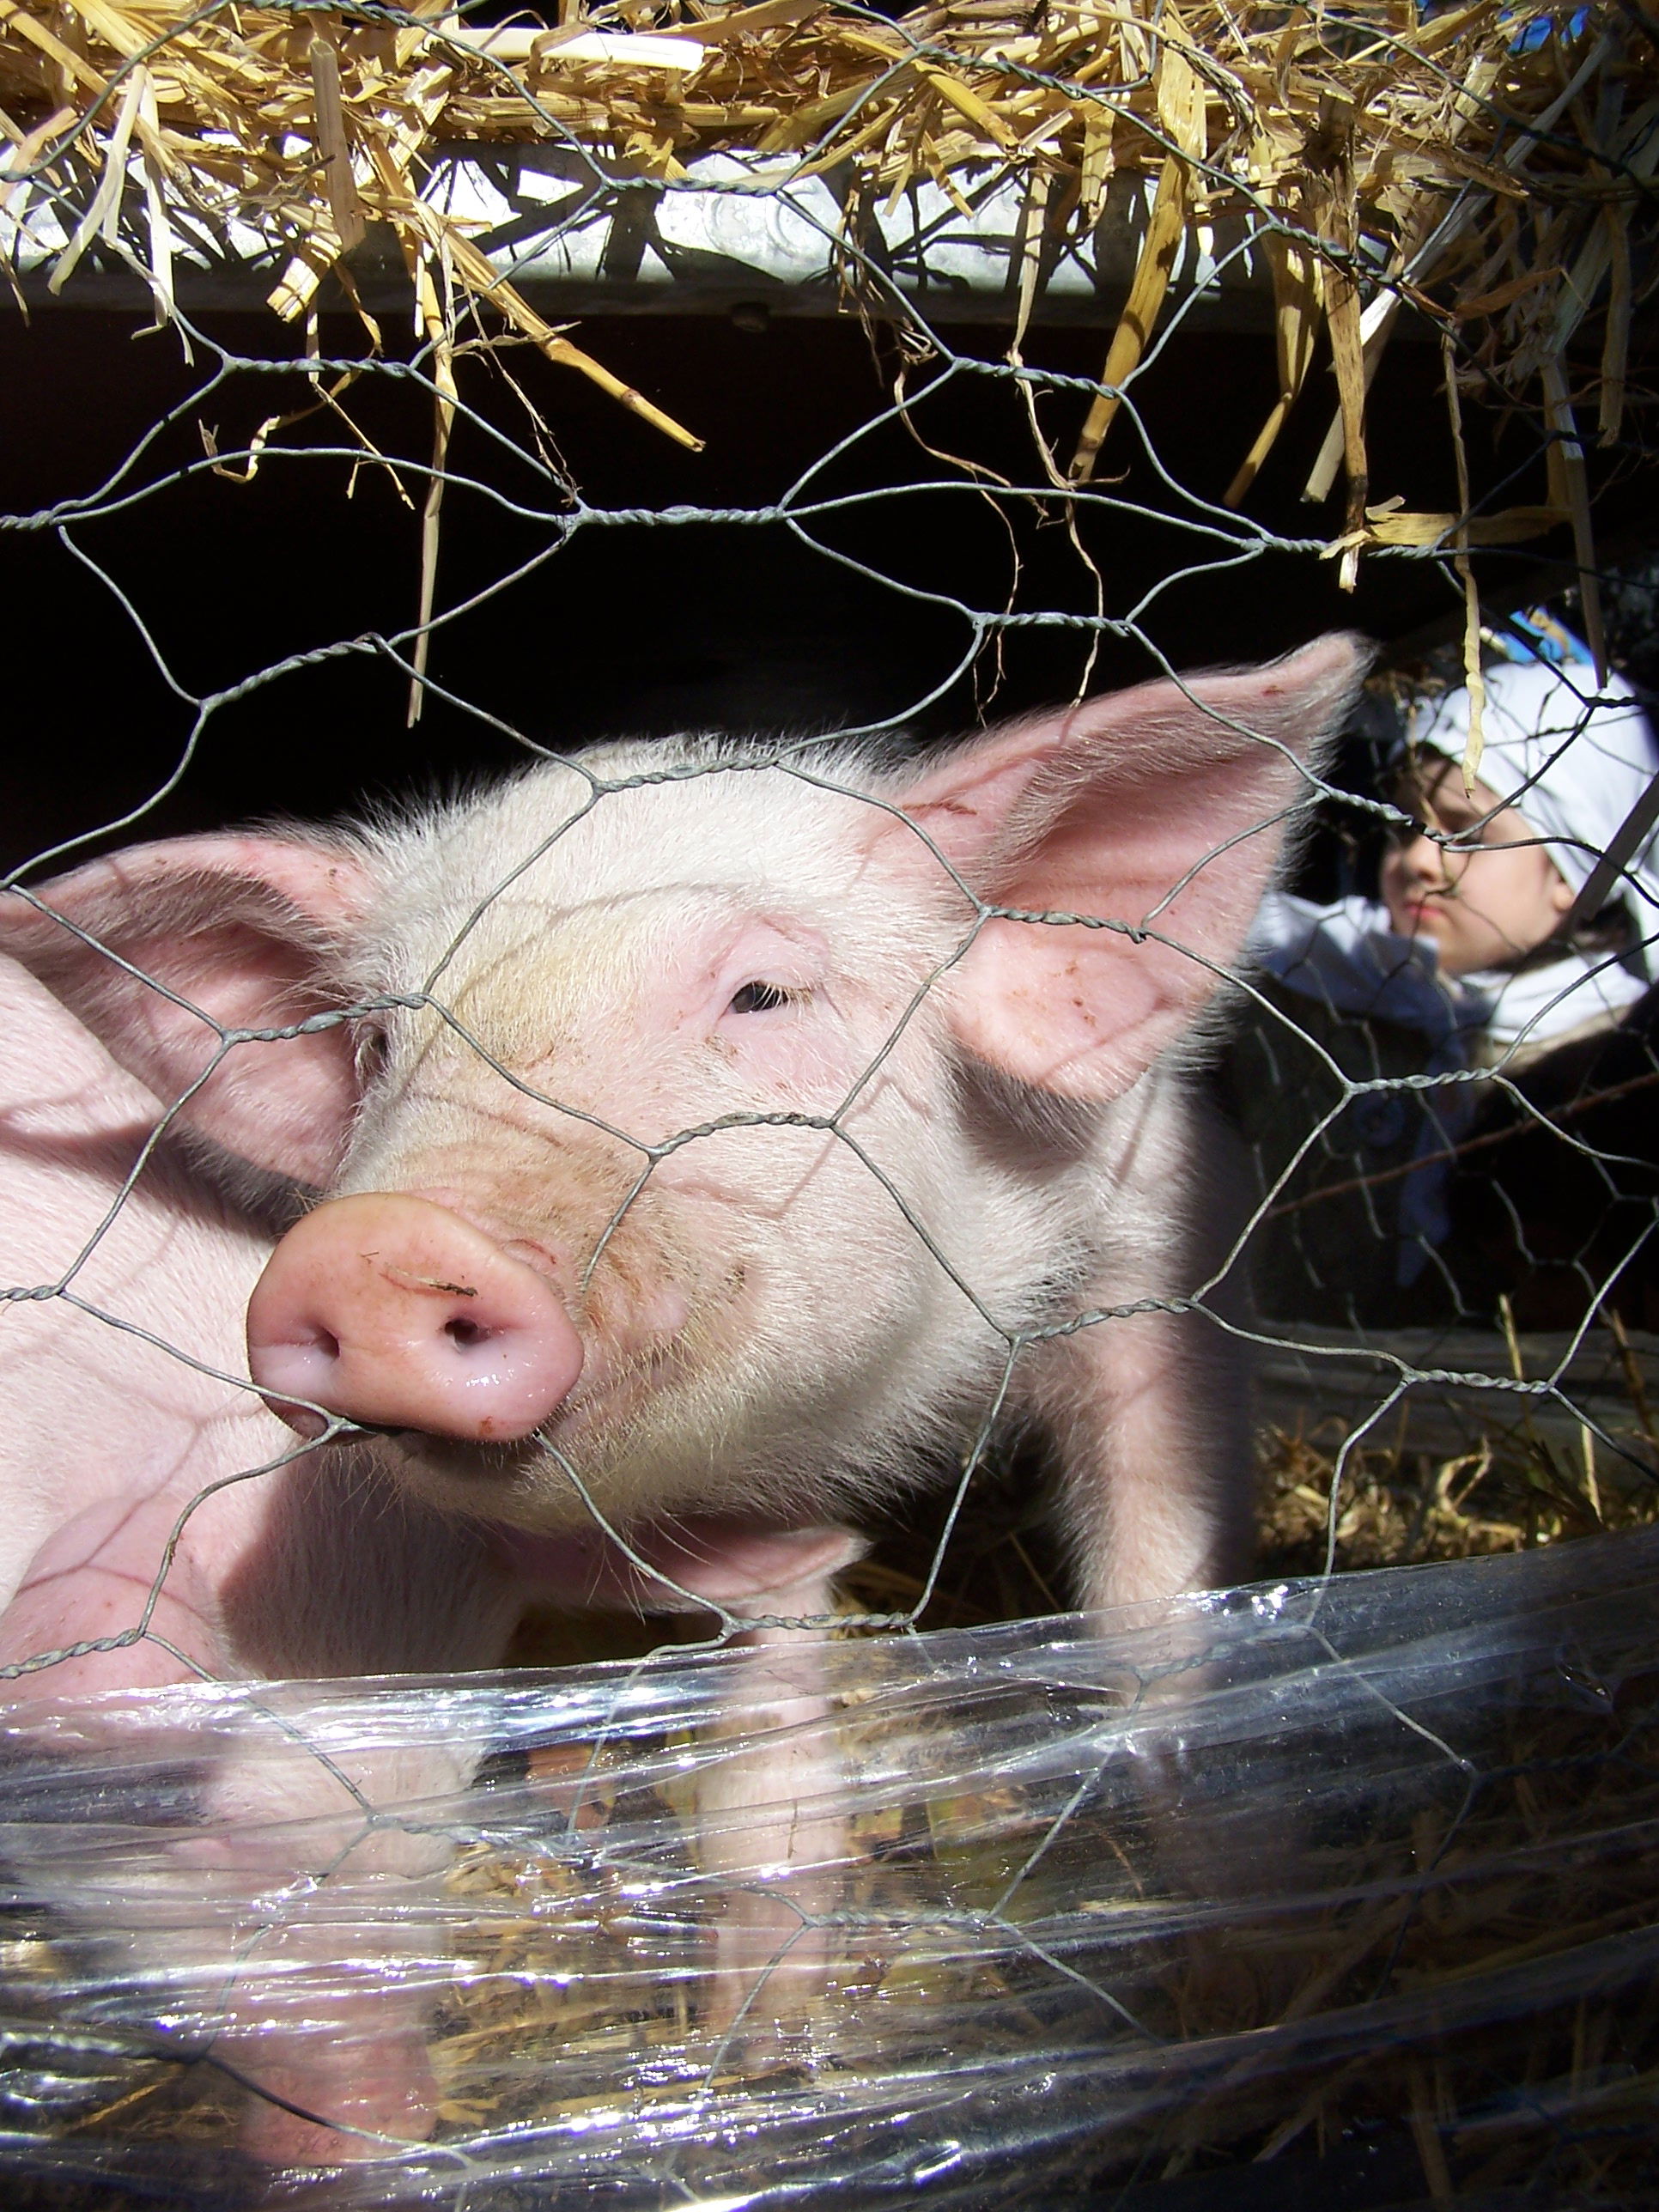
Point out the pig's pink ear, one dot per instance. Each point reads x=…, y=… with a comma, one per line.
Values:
x=1163, y=807
x=234, y=931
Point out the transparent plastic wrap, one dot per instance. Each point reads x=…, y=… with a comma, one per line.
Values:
x=1355, y=1880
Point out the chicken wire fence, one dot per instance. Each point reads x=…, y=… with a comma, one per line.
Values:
x=1349, y=1876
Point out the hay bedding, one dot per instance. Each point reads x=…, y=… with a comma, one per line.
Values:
x=1376, y=1913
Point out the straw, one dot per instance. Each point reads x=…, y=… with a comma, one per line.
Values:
x=1380, y=158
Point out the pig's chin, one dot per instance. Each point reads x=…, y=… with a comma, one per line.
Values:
x=528, y=1487
x=521, y=1486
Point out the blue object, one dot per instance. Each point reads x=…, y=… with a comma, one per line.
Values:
x=1535, y=34
x=1543, y=637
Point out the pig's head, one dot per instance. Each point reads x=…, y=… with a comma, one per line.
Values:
x=646, y=1162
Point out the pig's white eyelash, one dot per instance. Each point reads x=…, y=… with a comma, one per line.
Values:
x=369, y=1051
x=759, y=997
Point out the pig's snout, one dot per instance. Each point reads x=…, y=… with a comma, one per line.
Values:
x=394, y=1311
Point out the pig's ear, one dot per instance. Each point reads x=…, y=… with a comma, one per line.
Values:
x=1163, y=807
x=154, y=947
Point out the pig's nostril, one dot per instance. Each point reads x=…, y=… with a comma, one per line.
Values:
x=328, y=1345
x=466, y=1334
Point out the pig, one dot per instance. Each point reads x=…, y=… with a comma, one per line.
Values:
x=286, y=1562
x=674, y=1148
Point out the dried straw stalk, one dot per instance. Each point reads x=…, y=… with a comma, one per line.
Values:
x=1485, y=166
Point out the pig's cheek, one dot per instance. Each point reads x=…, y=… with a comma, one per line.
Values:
x=734, y=1189
x=795, y=1065
x=659, y=1316
x=642, y=1328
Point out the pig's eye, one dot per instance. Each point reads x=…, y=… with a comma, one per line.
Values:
x=759, y=998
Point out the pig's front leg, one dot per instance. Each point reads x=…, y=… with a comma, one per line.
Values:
x=1150, y=1414
x=326, y=1854
x=772, y=1813
x=771, y=1828
x=323, y=1902
x=1151, y=1410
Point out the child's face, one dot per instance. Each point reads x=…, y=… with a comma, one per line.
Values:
x=1485, y=906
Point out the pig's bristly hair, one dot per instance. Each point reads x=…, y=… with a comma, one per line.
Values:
x=886, y=765
x=1166, y=727
x=452, y=859
x=1184, y=723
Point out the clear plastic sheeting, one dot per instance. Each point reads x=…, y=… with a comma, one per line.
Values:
x=1355, y=1881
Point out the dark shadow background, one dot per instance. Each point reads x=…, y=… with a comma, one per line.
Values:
x=644, y=628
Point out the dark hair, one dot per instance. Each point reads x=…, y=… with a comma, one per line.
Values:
x=1613, y=930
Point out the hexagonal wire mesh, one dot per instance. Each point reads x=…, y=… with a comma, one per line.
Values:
x=1348, y=1877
